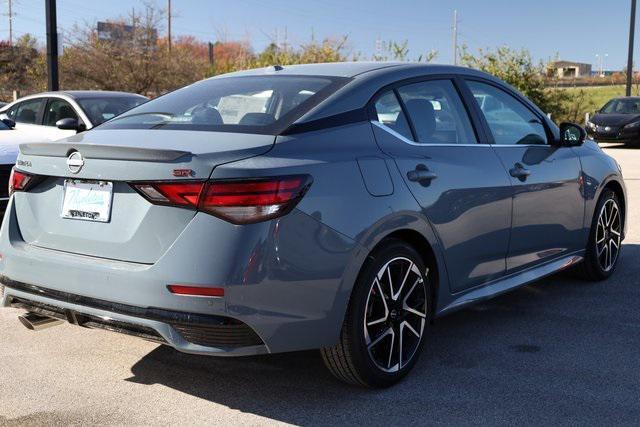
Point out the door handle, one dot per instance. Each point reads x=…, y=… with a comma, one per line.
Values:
x=519, y=171
x=421, y=174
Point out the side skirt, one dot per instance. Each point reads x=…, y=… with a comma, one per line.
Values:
x=510, y=282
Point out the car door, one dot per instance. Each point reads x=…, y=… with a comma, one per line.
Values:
x=459, y=183
x=57, y=109
x=28, y=117
x=548, y=207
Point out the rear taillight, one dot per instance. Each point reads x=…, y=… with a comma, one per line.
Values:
x=20, y=181
x=185, y=194
x=239, y=201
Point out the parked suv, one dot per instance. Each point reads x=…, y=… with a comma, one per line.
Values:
x=338, y=207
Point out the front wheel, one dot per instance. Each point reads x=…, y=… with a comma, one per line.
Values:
x=605, y=239
x=383, y=331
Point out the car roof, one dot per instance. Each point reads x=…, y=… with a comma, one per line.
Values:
x=77, y=95
x=346, y=69
x=367, y=78
x=329, y=69
x=81, y=94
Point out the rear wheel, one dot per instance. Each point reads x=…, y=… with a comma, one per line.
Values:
x=383, y=331
x=605, y=239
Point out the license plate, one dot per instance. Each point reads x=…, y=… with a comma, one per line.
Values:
x=87, y=200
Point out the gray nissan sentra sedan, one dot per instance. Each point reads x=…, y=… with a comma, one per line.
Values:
x=339, y=207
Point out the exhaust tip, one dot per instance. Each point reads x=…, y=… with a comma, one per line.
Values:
x=36, y=322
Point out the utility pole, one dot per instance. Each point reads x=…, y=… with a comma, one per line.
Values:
x=455, y=37
x=286, y=39
x=378, y=49
x=10, y=22
x=52, y=45
x=169, y=23
x=632, y=30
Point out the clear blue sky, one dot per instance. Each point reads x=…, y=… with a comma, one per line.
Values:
x=575, y=29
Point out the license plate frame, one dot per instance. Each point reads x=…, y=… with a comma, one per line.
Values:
x=87, y=200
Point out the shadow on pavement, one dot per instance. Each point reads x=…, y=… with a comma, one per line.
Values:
x=560, y=350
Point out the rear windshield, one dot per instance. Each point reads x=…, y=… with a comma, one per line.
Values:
x=246, y=104
x=101, y=109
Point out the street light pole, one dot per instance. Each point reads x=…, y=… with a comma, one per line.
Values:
x=52, y=46
x=169, y=24
x=632, y=30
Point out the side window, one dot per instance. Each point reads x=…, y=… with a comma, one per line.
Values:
x=510, y=121
x=58, y=109
x=390, y=114
x=27, y=111
x=437, y=113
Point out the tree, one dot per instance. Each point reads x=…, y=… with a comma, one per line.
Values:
x=328, y=50
x=231, y=56
x=399, y=51
x=131, y=58
x=516, y=67
x=21, y=65
x=635, y=81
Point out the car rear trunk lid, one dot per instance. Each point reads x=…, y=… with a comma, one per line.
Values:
x=137, y=231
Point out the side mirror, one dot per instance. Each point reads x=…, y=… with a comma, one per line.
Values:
x=9, y=123
x=70, y=124
x=572, y=134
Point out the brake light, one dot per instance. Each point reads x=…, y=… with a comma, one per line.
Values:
x=20, y=181
x=238, y=201
x=185, y=194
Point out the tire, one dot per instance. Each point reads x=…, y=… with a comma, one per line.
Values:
x=596, y=266
x=367, y=353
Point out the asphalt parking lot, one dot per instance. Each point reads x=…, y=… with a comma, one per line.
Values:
x=559, y=351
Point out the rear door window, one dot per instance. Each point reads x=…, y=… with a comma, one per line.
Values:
x=389, y=113
x=437, y=113
x=28, y=112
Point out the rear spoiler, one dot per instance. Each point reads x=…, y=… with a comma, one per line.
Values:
x=106, y=152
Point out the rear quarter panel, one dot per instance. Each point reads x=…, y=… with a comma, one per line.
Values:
x=340, y=200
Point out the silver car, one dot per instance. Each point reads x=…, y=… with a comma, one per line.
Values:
x=339, y=207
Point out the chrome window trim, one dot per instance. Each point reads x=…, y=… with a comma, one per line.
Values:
x=417, y=144
x=478, y=144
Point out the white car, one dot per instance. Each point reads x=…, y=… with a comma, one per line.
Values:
x=10, y=140
x=51, y=116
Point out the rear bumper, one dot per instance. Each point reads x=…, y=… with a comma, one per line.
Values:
x=287, y=280
x=187, y=332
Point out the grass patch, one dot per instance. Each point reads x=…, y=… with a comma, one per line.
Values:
x=599, y=95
